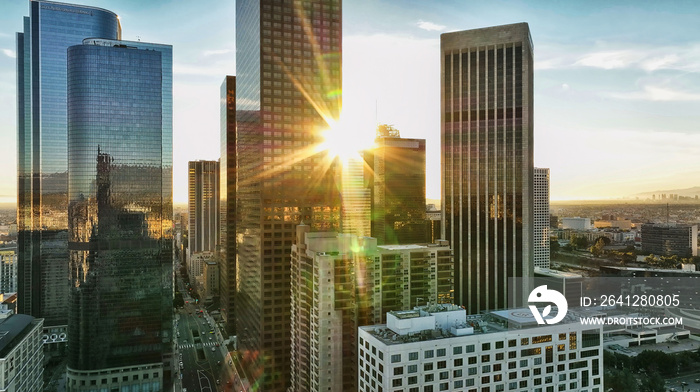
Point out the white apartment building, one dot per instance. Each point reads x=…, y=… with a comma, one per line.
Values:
x=410, y=275
x=441, y=348
x=540, y=220
x=340, y=282
x=21, y=354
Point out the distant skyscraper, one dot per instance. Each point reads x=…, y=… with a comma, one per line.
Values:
x=120, y=214
x=487, y=169
x=397, y=181
x=203, y=202
x=42, y=188
x=8, y=270
x=227, y=203
x=288, y=86
x=541, y=218
x=355, y=215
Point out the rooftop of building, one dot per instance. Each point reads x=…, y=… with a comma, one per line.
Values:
x=640, y=269
x=403, y=247
x=56, y=3
x=12, y=330
x=329, y=243
x=441, y=321
x=670, y=225
x=556, y=274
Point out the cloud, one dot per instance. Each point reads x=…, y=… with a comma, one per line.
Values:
x=686, y=58
x=657, y=93
x=9, y=53
x=620, y=56
x=430, y=26
x=216, y=52
x=611, y=59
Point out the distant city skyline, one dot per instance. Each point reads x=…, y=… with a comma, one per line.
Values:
x=616, y=84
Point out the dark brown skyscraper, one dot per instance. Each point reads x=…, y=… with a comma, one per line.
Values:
x=203, y=203
x=487, y=167
x=288, y=58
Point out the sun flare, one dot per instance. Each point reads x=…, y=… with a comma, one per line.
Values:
x=346, y=137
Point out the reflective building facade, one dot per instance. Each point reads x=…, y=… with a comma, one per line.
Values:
x=397, y=181
x=487, y=162
x=288, y=63
x=227, y=203
x=120, y=215
x=42, y=201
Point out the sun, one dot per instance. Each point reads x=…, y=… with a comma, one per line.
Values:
x=346, y=137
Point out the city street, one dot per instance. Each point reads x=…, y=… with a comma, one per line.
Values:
x=685, y=383
x=204, y=363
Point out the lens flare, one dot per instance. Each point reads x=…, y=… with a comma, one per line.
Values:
x=345, y=138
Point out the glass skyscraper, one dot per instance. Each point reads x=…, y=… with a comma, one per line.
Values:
x=487, y=167
x=288, y=63
x=120, y=215
x=227, y=203
x=397, y=180
x=42, y=201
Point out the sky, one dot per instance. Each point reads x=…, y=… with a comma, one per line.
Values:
x=616, y=100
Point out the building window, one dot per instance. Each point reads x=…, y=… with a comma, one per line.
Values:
x=395, y=358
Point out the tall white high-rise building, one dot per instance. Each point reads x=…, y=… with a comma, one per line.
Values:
x=541, y=218
x=341, y=282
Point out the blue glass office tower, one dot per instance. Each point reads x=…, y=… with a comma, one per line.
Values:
x=288, y=81
x=120, y=216
x=42, y=201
